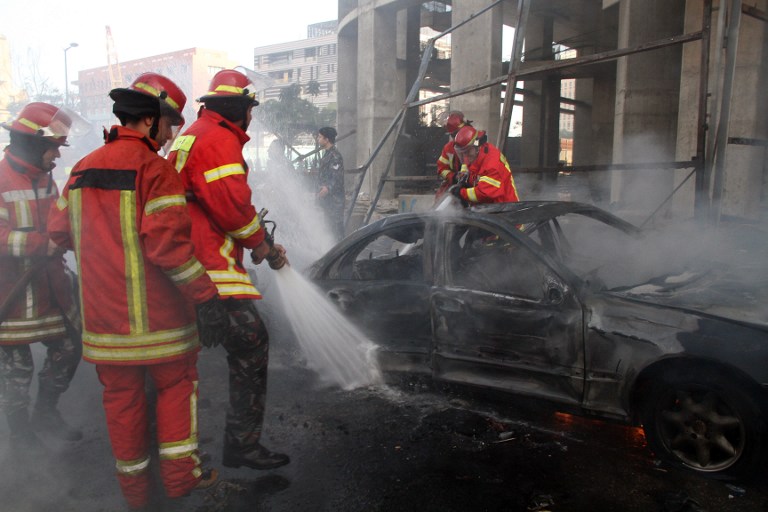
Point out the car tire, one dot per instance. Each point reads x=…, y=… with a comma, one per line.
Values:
x=704, y=422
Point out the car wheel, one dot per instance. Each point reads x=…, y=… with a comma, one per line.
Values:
x=704, y=423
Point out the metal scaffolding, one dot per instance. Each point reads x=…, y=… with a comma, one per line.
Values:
x=707, y=165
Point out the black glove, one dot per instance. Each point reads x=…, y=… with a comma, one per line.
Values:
x=212, y=322
x=455, y=190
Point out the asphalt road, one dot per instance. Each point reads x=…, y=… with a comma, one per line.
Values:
x=403, y=447
x=407, y=446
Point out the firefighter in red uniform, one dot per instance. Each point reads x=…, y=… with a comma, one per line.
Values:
x=490, y=179
x=209, y=158
x=44, y=308
x=448, y=165
x=124, y=214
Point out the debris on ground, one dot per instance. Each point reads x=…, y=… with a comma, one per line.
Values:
x=680, y=502
x=541, y=503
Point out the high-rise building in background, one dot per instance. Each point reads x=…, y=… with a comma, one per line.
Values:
x=191, y=69
x=311, y=63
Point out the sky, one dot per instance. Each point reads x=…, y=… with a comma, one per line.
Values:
x=38, y=31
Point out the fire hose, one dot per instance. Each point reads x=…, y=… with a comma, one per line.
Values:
x=20, y=286
x=275, y=259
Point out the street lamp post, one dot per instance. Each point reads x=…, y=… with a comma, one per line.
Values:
x=66, y=79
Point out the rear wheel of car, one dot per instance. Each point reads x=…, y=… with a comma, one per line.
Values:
x=704, y=422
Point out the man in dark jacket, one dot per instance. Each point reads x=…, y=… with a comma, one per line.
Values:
x=330, y=182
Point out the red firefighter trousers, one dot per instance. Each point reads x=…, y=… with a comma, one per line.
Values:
x=125, y=405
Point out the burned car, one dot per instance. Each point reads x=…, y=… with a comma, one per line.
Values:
x=565, y=302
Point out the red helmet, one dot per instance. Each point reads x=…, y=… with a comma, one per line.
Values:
x=229, y=83
x=454, y=122
x=468, y=136
x=168, y=97
x=42, y=120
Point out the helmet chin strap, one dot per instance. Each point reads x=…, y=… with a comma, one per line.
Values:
x=155, y=128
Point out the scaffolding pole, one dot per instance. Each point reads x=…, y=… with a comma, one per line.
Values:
x=398, y=121
x=515, y=58
x=721, y=143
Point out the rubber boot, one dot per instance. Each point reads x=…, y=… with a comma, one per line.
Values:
x=255, y=457
x=47, y=419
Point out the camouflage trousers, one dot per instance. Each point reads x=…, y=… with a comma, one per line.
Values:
x=17, y=368
x=247, y=346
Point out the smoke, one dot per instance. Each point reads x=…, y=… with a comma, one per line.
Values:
x=300, y=224
x=303, y=324
x=51, y=477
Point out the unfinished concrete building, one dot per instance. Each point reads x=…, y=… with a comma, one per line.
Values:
x=668, y=109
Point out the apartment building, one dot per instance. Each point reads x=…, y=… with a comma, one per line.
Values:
x=307, y=61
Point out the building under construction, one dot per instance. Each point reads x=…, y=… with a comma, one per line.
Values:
x=667, y=108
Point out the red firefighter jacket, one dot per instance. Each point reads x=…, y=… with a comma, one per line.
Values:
x=26, y=194
x=447, y=166
x=490, y=178
x=124, y=214
x=209, y=157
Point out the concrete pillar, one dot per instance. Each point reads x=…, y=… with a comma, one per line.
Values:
x=745, y=191
x=379, y=90
x=647, y=96
x=688, y=111
x=541, y=110
x=346, y=113
x=594, y=114
x=410, y=56
x=476, y=57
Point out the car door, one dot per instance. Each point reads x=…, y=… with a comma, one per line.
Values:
x=503, y=318
x=383, y=283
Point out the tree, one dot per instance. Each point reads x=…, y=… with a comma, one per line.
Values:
x=313, y=88
x=291, y=115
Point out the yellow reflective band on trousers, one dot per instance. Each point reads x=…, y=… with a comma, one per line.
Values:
x=186, y=447
x=134, y=265
x=132, y=467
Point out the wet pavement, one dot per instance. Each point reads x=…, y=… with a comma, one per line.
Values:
x=408, y=446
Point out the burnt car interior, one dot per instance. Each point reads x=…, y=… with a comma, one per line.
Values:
x=602, y=254
x=395, y=254
x=483, y=260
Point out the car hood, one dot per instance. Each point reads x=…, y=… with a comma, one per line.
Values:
x=720, y=293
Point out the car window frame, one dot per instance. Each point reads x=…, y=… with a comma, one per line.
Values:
x=350, y=253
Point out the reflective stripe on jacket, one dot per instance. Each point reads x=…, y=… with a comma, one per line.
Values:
x=26, y=194
x=124, y=214
x=209, y=158
x=490, y=177
x=448, y=164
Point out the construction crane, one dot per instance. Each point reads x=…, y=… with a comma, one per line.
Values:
x=115, y=74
